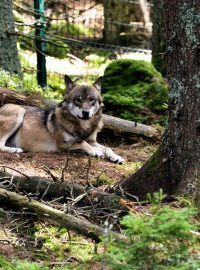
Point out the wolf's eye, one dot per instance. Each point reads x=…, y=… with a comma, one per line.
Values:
x=77, y=101
x=92, y=100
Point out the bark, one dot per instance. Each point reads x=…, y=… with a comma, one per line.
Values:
x=29, y=99
x=118, y=21
x=130, y=128
x=9, y=60
x=120, y=126
x=159, y=37
x=175, y=167
x=54, y=216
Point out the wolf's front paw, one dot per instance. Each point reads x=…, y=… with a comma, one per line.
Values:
x=15, y=150
x=116, y=159
x=97, y=153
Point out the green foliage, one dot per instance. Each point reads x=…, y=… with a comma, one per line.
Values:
x=134, y=90
x=98, y=60
x=11, y=81
x=156, y=198
x=56, y=48
x=25, y=265
x=70, y=29
x=161, y=239
x=14, y=82
x=53, y=46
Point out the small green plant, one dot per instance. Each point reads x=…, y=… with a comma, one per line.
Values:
x=11, y=81
x=156, y=198
x=25, y=265
x=14, y=82
x=162, y=239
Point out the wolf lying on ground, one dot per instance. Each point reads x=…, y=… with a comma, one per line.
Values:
x=71, y=125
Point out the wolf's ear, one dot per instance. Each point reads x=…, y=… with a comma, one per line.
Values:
x=69, y=84
x=97, y=84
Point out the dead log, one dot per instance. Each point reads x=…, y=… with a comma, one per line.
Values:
x=52, y=189
x=28, y=99
x=54, y=216
x=119, y=126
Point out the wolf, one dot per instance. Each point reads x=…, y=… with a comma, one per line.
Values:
x=73, y=124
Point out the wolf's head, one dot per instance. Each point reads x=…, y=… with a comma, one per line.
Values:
x=83, y=101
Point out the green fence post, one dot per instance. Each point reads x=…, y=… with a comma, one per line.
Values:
x=40, y=42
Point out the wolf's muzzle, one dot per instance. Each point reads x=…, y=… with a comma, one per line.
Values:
x=85, y=115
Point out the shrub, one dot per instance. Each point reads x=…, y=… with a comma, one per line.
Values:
x=14, y=82
x=161, y=239
x=134, y=90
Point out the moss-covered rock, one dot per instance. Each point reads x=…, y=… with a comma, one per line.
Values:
x=135, y=90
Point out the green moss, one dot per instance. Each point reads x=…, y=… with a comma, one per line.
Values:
x=57, y=241
x=134, y=90
x=101, y=180
x=130, y=168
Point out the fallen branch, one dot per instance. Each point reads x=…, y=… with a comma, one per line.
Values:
x=118, y=125
x=129, y=128
x=54, y=216
x=51, y=189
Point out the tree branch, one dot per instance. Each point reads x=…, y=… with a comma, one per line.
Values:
x=52, y=189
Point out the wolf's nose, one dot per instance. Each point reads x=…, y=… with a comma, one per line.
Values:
x=85, y=114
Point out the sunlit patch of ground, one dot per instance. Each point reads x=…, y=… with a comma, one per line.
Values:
x=80, y=166
x=77, y=67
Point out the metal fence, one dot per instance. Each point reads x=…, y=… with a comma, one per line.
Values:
x=60, y=38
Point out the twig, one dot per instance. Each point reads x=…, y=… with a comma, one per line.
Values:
x=77, y=199
x=65, y=168
x=46, y=190
x=88, y=171
x=47, y=170
x=10, y=168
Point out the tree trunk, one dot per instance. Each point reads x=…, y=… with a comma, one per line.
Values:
x=8, y=49
x=118, y=18
x=175, y=167
x=158, y=40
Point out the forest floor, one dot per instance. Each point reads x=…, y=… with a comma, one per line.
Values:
x=36, y=164
x=17, y=234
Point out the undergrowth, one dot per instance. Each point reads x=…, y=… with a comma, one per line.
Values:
x=162, y=238
x=159, y=237
x=14, y=82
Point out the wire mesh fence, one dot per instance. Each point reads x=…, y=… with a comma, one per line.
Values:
x=79, y=37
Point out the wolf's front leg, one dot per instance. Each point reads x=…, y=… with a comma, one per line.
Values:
x=89, y=149
x=108, y=153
